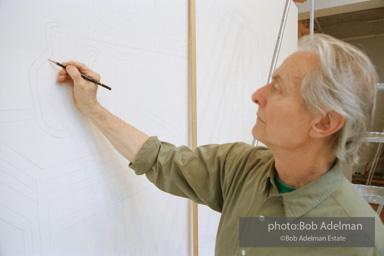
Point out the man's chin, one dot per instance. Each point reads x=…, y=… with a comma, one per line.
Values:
x=256, y=133
x=257, y=136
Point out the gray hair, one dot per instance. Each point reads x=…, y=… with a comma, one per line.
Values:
x=346, y=83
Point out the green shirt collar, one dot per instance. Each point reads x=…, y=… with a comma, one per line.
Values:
x=281, y=186
x=300, y=201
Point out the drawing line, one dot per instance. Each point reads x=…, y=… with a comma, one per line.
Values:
x=25, y=195
x=97, y=211
x=20, y=155
x=95, y=178
x=16, y=213
x=109, y=182
x=35, y=88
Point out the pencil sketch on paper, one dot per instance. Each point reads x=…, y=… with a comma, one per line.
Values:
x=39, y=88
x=19, y=206
x=65, y=189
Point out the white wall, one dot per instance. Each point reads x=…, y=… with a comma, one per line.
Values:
x=236, y=40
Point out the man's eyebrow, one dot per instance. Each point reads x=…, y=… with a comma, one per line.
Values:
x=278, y=78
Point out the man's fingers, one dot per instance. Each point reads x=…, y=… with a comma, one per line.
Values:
x=83, y=69
x=74, y=73
x=62, y=72
x=77, y=64
x=84, y=92
x=62, y=78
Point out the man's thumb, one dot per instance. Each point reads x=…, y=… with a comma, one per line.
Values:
x=74, y=73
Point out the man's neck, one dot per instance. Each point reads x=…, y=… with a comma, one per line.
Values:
x=298, y=167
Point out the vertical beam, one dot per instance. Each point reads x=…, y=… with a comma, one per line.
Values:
x=279, y=40
x=312, y=17
x=193, y=104
x=192, y=72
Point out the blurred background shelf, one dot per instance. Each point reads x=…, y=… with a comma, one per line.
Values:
x=375, y=137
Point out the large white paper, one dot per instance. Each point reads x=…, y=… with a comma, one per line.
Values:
x=63, y=189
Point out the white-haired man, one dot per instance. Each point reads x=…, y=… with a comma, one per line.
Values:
x=312, y=117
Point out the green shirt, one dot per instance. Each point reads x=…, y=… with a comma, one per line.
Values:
x=281, y=186
x=237, y=180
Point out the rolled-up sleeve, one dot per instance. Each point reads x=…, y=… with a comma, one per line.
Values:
x=196, y=174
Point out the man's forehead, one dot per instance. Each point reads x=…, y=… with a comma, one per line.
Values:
x=307, y=59
x=296, y=65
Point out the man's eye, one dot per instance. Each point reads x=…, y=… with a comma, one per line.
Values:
x=275, y=88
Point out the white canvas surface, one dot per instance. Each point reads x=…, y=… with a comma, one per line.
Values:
x=63, y=189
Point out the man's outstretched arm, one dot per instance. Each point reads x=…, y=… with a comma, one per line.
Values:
x=126, y=139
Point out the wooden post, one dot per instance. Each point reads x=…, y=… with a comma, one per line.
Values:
x=193, y=104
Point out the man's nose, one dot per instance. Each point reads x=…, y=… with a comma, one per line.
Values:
x=258, y=97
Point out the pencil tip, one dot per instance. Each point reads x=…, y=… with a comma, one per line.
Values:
x=51, y=61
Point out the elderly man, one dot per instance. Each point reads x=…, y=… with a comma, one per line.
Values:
x=312, y=117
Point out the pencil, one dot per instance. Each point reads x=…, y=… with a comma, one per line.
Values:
x=84, y=76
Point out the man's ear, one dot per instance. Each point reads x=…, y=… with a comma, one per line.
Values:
x=327, y=124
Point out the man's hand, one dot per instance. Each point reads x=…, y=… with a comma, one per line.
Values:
x=125, y=138
x=84, y=92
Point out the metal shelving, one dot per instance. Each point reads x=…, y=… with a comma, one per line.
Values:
x=373, y=194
